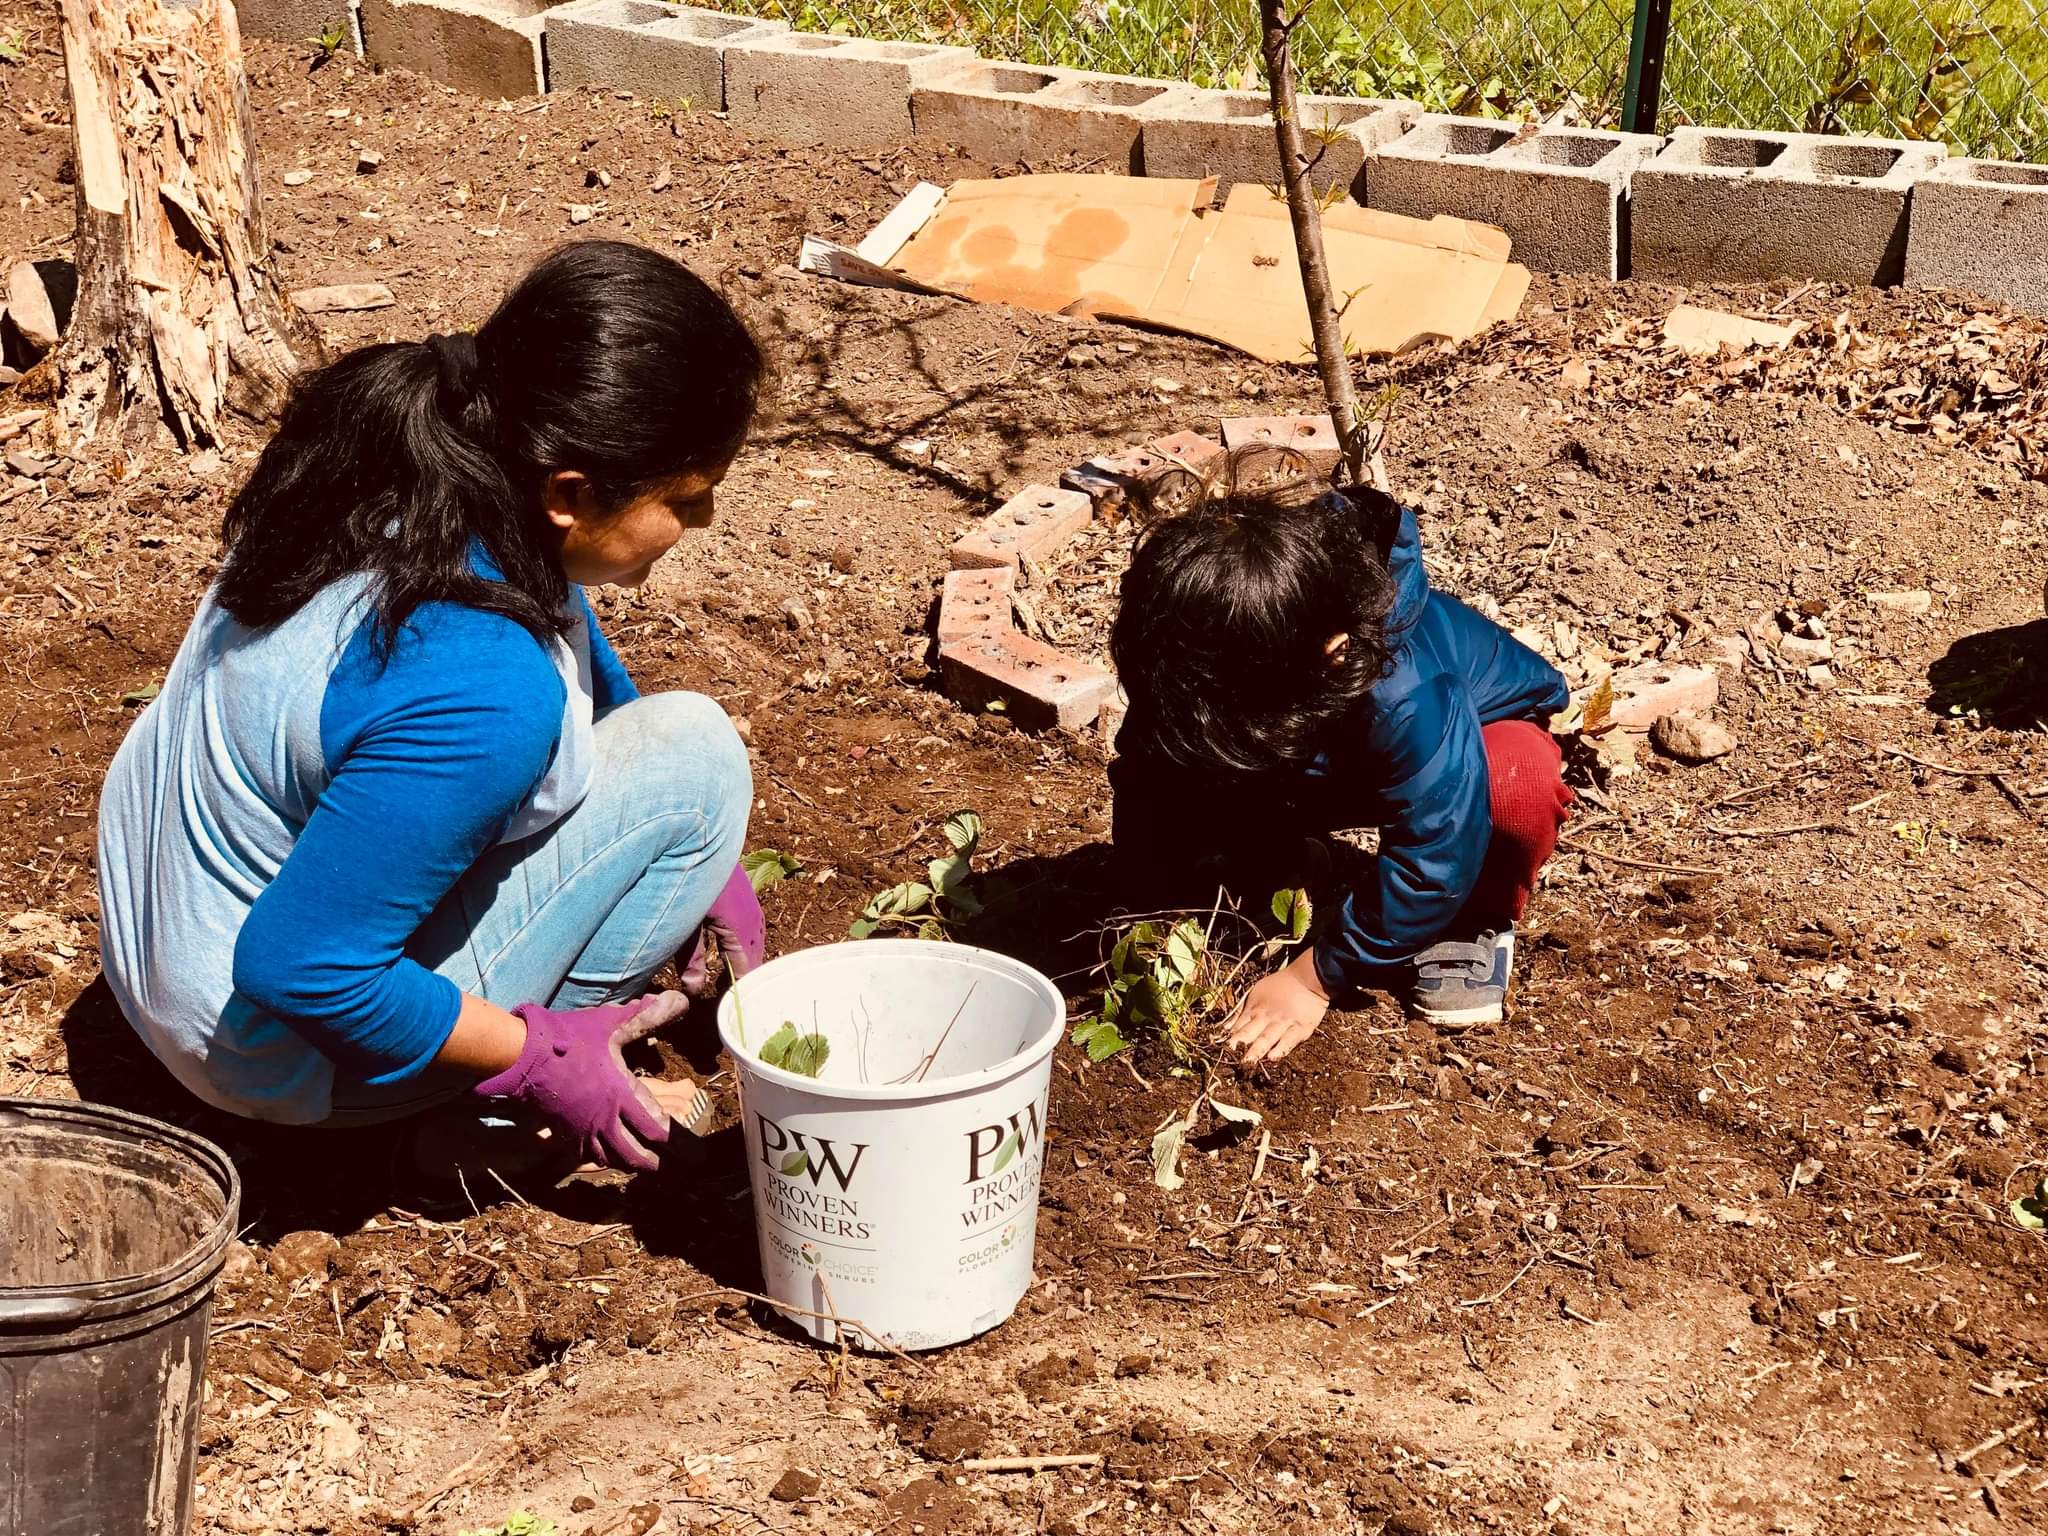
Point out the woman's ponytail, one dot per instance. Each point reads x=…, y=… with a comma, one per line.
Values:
x=422, y=464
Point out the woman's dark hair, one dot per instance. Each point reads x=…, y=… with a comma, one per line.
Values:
x=1229, y=604
x=409, y=460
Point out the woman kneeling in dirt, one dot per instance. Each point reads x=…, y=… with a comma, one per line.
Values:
x=399, y=827
x=1292, y=673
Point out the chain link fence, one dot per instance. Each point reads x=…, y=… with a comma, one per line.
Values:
x=1973, y=73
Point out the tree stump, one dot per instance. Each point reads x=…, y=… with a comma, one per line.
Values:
x=179, y=319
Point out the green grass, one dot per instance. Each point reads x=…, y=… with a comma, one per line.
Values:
x=1973, y=73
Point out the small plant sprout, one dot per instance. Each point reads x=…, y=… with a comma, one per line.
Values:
x=769, y=867
x=13, y=47
x=1170, y=978
x=951, y=893
x=518, y=1523
x=804, y=1055
x=329, y=42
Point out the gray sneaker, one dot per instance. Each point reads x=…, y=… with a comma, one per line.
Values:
x=1464, y=982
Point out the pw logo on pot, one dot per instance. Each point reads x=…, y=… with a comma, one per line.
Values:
x=795, y=1155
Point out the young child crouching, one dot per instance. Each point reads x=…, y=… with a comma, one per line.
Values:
x=1291, y=673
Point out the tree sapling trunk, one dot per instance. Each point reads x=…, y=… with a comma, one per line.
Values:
x=1325, y=316
x=179, y=319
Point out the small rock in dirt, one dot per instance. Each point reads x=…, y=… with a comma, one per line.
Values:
x=1804, y=650
x=842, y=558
x=1085, y=356
x=240, y=1265
x=1913, y=603
x=28, y=465
x=956, y=1437
x=795, y=614
x=297, y=178
x=1134, y=1365
x=297, y=1255
x=582, y=1504
x=581, y=213
x=1412, y=1521
x=29, y=307
x=343, y=298
x=266, y=1364
x=794, y=1484
x=1691, y=739
x=319, y=1354
x=432, y=1339
x=1644, y=1239
x=367, y=161
x=1149, y=1432
x=337, y=1444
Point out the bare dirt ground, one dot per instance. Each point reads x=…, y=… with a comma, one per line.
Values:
x=1713, y=1237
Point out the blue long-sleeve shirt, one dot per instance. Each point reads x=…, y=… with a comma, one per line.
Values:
x=1411, y=762
x=291, y=807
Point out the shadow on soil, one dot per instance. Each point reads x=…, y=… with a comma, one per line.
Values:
x=2002, y=674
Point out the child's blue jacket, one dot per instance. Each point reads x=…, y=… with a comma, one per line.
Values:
x=1411, y=762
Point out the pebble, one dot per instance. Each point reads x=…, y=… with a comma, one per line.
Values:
x=794, y=1484
x=1913, y=603
x=29, y=307
x=1691, y=739
x=367, y=161
x=1804, y=650
x=795, y=614
x=299, y=1254
x=297, y=178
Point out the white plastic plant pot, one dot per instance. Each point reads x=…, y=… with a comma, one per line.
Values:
x=897, y=1190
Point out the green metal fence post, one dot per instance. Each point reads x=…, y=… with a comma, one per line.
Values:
x=1645, y=89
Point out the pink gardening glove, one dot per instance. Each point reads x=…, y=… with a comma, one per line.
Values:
x=573, y=1071
x=742, y=932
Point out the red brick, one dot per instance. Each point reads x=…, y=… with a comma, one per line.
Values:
x=1313, y=437
x=1108, y=479
x=1031, y=524
x=1039, y=686
x=976, y=601
x=1643, y=694
x=1190, y=449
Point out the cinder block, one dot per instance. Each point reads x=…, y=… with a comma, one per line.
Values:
x=300, y=21
x=1003, y=113
x=1644, y=694
x=1313, y=437
x=1720, y=205
x=1982, y=225
x=805, y=88
x=1229, y=135
x=660, y=52
x=485, y=47
x=1039, y=686
x=1561, y=193
x=1031, y=525
x=976, y=602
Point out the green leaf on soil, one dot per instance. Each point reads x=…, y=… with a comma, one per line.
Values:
x=1100, y=1038
x=1166, y=1149
x=768, y=867
x=142, y=695
x=963, y=831
x=2031, y=1211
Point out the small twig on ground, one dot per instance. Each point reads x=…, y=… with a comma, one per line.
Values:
x=839, y=1323
x=1804, y=826
x=1615, y=858
x=1029, y=1463
x=507, y=1188
x=1487, y=1301
x=1258, y=1170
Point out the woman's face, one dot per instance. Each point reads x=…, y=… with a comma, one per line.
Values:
x=619, y=548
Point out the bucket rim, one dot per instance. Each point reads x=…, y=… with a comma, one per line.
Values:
x=94, y=1299
x=1035, y=1050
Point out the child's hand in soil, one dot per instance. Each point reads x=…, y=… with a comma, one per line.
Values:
x=1279, y=1012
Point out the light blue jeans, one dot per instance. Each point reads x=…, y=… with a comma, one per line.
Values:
x=587, y=911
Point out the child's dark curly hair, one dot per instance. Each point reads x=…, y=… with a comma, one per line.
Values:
x=1222, y=635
